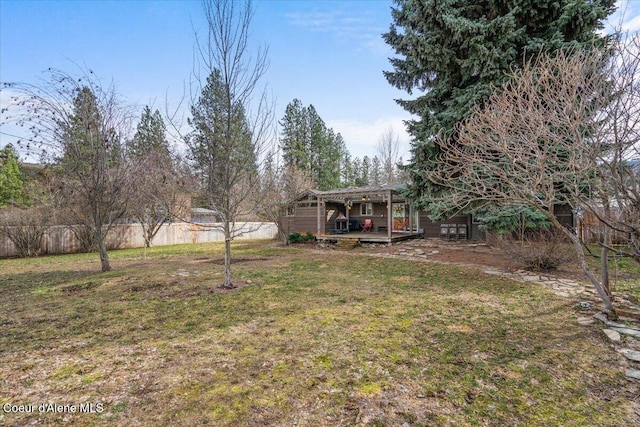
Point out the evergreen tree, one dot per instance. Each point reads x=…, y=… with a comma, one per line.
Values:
x=88, y=145
x=346, y=170
x=150, y=135
x=456, y=52
x=366, y=167
x=309, y=145
x=221, y=144
x=375, y=173
x=11, y=177
x=356, y=166
x=295, y=136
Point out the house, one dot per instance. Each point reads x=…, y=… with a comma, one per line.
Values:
x=204, y=216
x=371, y=214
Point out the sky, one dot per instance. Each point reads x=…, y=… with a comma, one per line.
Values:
x=326, y=53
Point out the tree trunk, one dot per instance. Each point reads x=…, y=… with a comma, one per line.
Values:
x=604, y=270
x=283, y=235
x=577, y=244
x=102, y=249
x=228, y=284
x=604, y=251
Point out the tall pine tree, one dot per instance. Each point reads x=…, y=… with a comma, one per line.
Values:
x=453, y=53
x=150, y=135
x=309, y=145
x=11, y=177
x=294, y=136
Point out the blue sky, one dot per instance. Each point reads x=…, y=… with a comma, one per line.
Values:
x=326, y=53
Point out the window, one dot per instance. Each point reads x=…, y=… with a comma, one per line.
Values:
x=366, y=209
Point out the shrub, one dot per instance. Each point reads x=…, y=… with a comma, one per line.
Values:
x=540, y=250
x=301, y=238
x=25, y=228
x=295, y=238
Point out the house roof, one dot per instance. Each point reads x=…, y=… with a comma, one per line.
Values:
x=204, y=211
x=357, y=191
x=342, y=195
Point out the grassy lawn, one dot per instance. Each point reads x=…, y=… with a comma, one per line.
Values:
x=310, y=338
x=624, y=273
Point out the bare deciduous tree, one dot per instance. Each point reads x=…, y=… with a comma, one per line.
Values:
x=81, y=125
x=562, y=132
x=157, y=181
x=156, y=189
x=389, y=152
x=233, y=121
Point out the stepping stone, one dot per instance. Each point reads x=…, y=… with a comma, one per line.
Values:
x=632, y=373
x=601, y=317
x=493, y=272
x=585, y=321
x=630, y=354
x=621, y=325
x=614, y=336
x=626, y=331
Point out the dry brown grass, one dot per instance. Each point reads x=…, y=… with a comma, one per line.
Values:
x=309, y=339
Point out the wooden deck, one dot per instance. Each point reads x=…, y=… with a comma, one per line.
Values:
x=371, y=237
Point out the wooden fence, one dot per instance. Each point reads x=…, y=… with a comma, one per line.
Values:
x=60, y=239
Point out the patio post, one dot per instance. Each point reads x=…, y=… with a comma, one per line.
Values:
x=389, y=215
x=318, y=216
x=346, y=208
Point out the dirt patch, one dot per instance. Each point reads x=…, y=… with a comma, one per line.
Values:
x=468, y=253
x=233, y=260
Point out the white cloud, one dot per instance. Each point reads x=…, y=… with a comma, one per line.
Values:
x=343, y=25
x=362, y=137
x=626, y=17
x=632, y=24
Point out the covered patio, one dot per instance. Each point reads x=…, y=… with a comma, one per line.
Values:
x=377, y=214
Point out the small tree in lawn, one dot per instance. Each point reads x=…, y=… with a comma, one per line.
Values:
x=227, y=143
x=561, y=132
x=81, y=125
x=156, y=183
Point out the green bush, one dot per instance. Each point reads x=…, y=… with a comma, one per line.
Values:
x=512, y=219
x=301, y=238
x=295, y=238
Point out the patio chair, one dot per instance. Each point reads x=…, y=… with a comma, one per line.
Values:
x=368, y=225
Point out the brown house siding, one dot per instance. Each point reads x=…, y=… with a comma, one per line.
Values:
x=432, y=228
x=564, y=215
